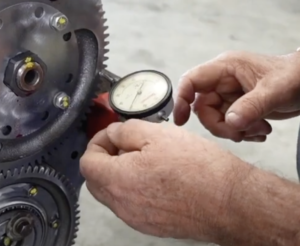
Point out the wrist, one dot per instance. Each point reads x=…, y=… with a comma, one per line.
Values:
x=263, y=209
x=216, y=219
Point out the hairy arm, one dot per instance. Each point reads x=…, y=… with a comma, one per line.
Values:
x=262, y=210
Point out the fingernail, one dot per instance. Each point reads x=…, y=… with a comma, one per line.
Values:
x=235, y=120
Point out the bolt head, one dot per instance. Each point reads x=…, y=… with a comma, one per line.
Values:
x=54, y=224
x=62, y=100
x=59, y=22
x=16, y=70
x=33, y=191
x=6, y=241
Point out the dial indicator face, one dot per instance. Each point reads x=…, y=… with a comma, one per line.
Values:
x=140, y=91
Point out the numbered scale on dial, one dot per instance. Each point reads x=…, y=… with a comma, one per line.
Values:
x=145, y=95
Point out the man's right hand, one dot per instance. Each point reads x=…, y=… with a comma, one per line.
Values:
x=234, y=94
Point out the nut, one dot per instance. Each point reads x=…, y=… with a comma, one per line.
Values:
x=24, y=74
x=59, y=21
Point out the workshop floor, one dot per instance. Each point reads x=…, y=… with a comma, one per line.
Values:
x=174, y=35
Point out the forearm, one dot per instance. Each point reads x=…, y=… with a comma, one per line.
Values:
x=262, y=209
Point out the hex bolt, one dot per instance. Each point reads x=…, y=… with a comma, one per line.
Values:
x=62, y=100
x=59, y=22
x=6, y=241
x=33, y=191
x=54, y=224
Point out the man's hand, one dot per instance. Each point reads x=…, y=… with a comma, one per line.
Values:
x=167, y=182
x=161, y=181
x=235, y=93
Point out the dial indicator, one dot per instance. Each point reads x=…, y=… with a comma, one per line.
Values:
x=141, y=94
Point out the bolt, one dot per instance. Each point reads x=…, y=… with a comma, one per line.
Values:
x=24, y=228
x=59, y=22
x=62, y=100
x=6, y=241
x=54, y=224
x=33, y=191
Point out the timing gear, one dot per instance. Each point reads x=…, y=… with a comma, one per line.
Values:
x=38, y=207
x=50, y=53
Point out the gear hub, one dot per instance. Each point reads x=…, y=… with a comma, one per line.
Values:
x=25, y=74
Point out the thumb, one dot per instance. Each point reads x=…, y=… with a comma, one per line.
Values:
x=251, y=107
x=132, y=135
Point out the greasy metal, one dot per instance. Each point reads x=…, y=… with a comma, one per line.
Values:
x=28, y=219
x=20, y=226
x=24, y=74
x=40, y=179
x=25, y=26
x=30, y=78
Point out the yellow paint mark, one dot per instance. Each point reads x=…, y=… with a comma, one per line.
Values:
x=33, y=191
x=28, y=59
x=7, y=241
x=62, y=20
x=55, y=225
x=66, y=102
x=30, y=65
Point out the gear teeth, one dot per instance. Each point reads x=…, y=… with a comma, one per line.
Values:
x=16, y=172
x=8, y=174
x=38, y=171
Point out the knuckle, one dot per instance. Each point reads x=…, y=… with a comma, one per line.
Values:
x=84, y=165
x=227, y=55
x=131, y=122
x=215, y=132
x=256, y=105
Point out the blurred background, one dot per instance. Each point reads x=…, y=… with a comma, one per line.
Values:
x=173, y=36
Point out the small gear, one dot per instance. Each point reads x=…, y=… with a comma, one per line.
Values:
x=34, y=202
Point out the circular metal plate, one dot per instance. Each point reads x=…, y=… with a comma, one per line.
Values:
x=26, y=26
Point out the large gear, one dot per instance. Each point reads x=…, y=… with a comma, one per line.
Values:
x=38, y=207
x=45, y=68
x=51, y=54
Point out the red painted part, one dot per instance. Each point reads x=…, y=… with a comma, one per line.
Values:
x=101, y=116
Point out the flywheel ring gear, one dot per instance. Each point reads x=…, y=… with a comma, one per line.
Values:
x=56, y=53
x=34, y=200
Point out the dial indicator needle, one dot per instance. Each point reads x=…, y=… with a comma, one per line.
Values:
x=139, y=92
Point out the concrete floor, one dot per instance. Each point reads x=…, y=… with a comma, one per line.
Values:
x=174, y=35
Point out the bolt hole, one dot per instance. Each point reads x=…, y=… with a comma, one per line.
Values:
x=74, y=155
x=45, y=116
x=6, y=130
x=31, y=77
x=67, y=36
x=69, y=78
x=39, y=12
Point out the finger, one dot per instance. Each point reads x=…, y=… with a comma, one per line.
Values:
x=208, y=109
x=283, y=116
x=132, y=135
x=257, y=139
x=101, y=143
x=251, y=107
x=202, y=78
x=99, y=167
x=259, y=128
